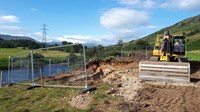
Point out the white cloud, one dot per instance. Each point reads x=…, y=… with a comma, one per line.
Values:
x=138, y=3
x=104, y=40
x=38, y=36
x=9, y=19
x=124, y=22
x=78, y=38
x=13, y=30
x=190, y=5
x=123, y=18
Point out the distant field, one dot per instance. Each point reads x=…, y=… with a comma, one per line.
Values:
x=54, y=54
x=19, y=52
x=5, y=52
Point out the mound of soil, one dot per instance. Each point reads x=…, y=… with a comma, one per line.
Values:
x=127, y=89
x=80, y=101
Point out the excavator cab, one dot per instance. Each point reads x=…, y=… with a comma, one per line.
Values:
x=179, y=45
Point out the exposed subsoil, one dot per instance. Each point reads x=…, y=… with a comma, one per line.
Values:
x=138, y=95
x=148, y=96
x=80, y=101
x=168, y=98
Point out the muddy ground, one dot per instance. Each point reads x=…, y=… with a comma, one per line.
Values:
x=143, y=96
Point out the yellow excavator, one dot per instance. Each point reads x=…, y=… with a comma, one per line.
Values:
x=168, y=62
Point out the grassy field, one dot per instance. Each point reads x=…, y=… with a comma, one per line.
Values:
x=6, y=52
x=19, y=52
x=53, y=54
x=194, y=55
x=17, y=98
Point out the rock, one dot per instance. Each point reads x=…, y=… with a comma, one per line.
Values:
x=112, y=91
x=119, y=85
x=106, y=102
x=107, y=71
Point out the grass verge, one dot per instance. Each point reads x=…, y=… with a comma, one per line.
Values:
x=17, y=98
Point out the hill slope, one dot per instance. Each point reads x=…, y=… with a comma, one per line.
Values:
x=9, y=37
x=188, y=26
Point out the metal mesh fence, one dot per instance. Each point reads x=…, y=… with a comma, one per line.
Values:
x=139, y=52
x=59, y=66
x=65, y=66
x=3, y=78
x=20, y=68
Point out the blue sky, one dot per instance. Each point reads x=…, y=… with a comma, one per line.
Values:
x=92, y=21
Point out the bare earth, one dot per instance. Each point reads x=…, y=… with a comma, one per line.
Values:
x=168, y=98
x=148, y=96
x=80, y=101
x=138, y=95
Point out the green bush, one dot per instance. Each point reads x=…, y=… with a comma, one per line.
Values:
x=193, y=45
x=3, y=63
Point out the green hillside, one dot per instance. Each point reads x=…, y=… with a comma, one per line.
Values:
x=189, y=27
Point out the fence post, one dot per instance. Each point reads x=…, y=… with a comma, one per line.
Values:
x=12, y=67
x=86, y=84
x=1, y=80
x=49, y=66
x=20, y=78
x=58, y=68
x=8, y=71
x=68, y=64
x=146, y=53
x=32, y=67
x=28, y=70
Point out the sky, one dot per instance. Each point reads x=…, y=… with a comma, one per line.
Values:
x=102, y=22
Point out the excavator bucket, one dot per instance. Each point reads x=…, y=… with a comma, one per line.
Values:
x=165, y=71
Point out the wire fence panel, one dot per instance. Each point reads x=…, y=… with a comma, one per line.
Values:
x=3, y=77
x=60, y=66
x=65, y=66
x=20, y=68
x=139, y=52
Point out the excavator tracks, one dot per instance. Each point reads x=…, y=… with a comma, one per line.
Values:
x=165, y=71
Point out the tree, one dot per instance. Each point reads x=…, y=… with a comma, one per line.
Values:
x=120, y=42
x=19, y=43
x=142, y=42
x=66, y=43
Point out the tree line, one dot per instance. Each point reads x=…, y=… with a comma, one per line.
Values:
x=30, y=44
